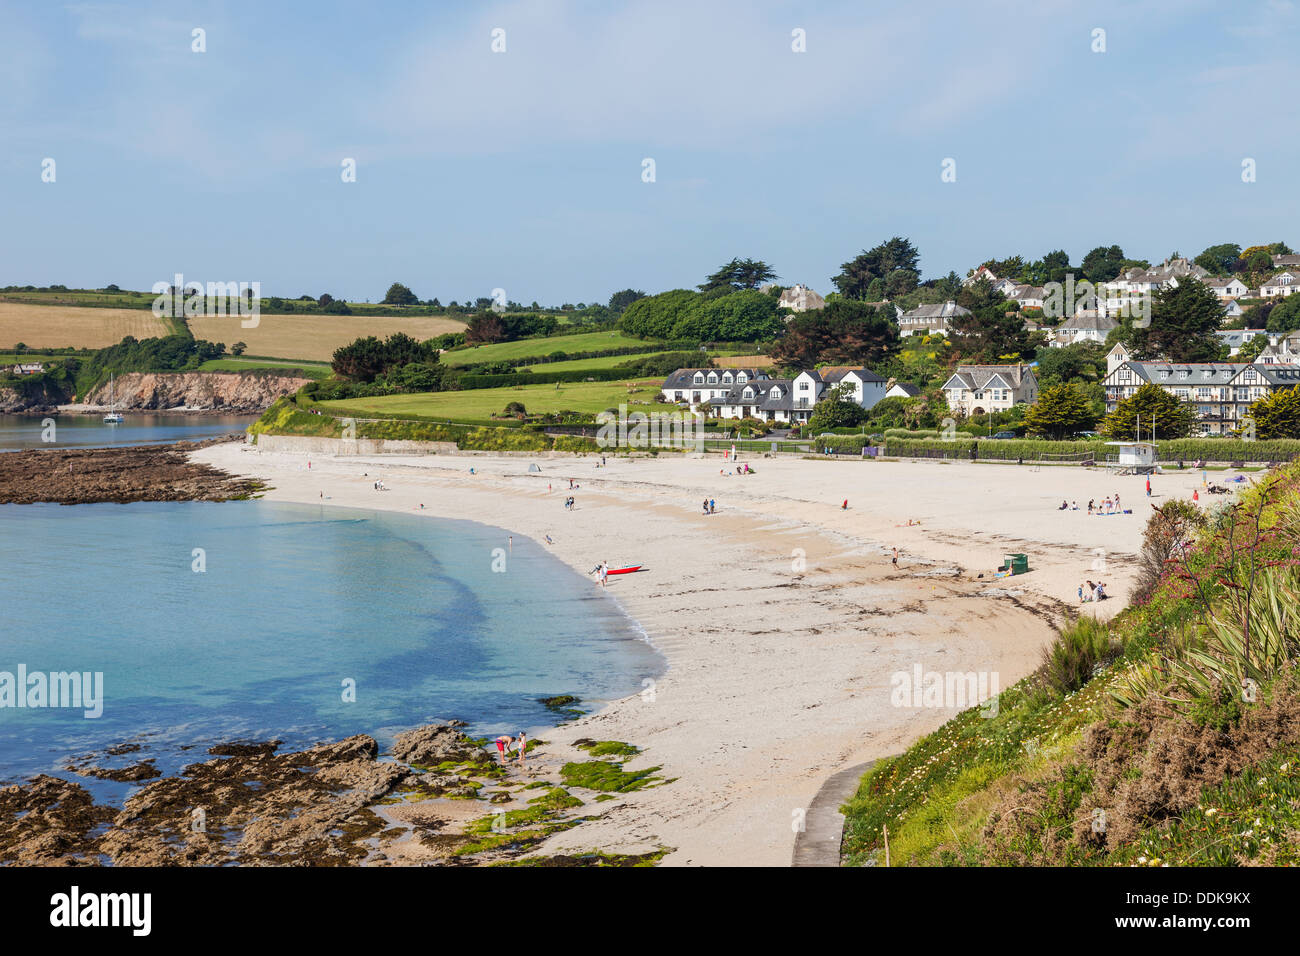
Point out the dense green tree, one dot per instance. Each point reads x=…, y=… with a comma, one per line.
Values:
x=365, y=359
x=655, y=316
x=1060, y=412
x=900, y=282
x=1080, y=362
x=622, y=299
x=1277, y=415
x=1219, y=260
x=837, y=409
x=399, y=294
x=1102, y=264
x=738, y=274
x=1150, y=406
x=238, y=348
x=744, y=316
x=845, y=332
x=855, y=276
x=1285, y=315
x=1053, y=267
x=991, y=333
x=1183, y=321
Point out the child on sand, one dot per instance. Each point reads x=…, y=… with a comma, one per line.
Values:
x=523, y=747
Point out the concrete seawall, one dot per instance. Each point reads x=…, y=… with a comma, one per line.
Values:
x=308, y=445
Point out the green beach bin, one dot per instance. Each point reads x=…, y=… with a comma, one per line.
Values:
x=1017, y=563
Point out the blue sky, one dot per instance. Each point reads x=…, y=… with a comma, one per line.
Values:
x=522, y=170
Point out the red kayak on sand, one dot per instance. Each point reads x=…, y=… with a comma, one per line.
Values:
x=635, y=567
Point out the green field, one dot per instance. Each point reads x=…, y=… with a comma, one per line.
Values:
x=480, y=404
x=584, y=365
x=312, y=370
x=532, y=348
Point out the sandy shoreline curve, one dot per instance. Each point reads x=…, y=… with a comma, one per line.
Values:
x=781, y=616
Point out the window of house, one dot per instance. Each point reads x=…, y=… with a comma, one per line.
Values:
x=699, y=378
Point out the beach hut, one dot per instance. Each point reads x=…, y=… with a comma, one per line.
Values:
x=1134, y=454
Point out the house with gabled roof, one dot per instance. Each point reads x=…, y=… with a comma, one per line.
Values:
x=983, y=272
x=978, y=389
x=1220, y=393
x=800, y=298
x=925, y=319
x=753, y=393
x=1230, y=288
x=695, y=386
x=1284, y=283
x=1090, y=326
x=1286, y=262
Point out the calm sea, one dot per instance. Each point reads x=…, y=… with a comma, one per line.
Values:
x=18, y=432
x=249, y=620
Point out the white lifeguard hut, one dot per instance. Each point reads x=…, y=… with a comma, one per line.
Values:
x=1133, y=454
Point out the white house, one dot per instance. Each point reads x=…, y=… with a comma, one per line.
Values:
x=695, y=386
x=1231, y=310
x=1232, y=288
x=1028, y=296
x=1086, y=327
x=800, y=298
x=925, y=319
x=1284, y=283
x=903, y=390
x=981, y=273
x=976, y=389
x=867, y=387
x=1286, y=262
x=752, y=393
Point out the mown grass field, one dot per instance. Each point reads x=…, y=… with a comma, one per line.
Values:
x=56, y=326
x=479, y=405
x=531, y=348
x=583, y=365
x=307, y=369
x=312, y=337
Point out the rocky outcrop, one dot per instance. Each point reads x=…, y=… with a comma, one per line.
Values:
x=70, y=476
x=433, y=744
x=36, y=395
x=211, y=391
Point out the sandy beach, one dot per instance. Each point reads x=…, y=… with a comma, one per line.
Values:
x=782, y=617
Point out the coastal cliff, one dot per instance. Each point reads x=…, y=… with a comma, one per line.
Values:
x=210, y=391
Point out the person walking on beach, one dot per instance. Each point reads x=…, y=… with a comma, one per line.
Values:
x=523, y=747
x=1117, y=507
x=706, y=505
x=604, y=573
x=713, y=506
x=895, y=557
x=1148, y=486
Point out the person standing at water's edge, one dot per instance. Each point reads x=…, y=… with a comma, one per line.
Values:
x=523, y=747
x=604, y=573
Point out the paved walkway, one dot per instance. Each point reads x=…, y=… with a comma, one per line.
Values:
x=819, y=844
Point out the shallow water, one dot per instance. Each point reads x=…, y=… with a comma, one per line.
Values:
x=292, y=602
x=21, y=432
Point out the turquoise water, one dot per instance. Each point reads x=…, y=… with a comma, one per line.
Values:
x=18, y=432
x=294, y=600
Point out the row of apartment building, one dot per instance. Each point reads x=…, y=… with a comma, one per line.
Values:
x=1220, y=393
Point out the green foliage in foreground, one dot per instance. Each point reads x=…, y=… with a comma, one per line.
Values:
x=1190, y=772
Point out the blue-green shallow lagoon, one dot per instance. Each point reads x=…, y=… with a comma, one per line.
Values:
x=293, y=601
